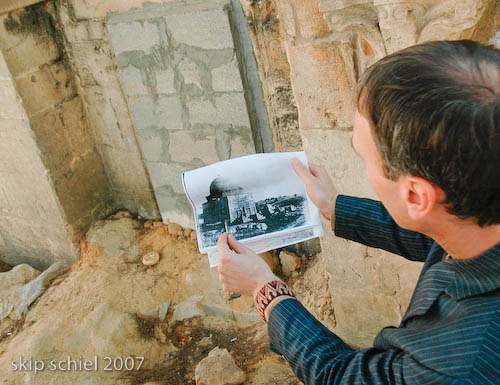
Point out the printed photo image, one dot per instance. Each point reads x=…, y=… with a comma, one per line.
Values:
x=251, y=196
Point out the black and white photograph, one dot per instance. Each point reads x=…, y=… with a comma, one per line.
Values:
x=250, y=197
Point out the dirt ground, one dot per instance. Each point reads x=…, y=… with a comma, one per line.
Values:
x=93, y=312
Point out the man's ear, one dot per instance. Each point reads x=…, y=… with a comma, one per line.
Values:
x=421, y=196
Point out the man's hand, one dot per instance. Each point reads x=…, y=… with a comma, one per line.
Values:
x=240, y=269
x=319, y=186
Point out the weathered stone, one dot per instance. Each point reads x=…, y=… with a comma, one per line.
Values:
x=47, y=86
x=289, y=262
x=187, y=309
x=226, y=109
x=133, y=36
x=184, y=148
x=115, y=235
x=22, y=286
x=190, y=72
x=270, y=259
x=212, y=29
x=218, y=368
x=227, y=77
x=79, y=134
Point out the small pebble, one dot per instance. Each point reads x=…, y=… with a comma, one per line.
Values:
x=151, y=259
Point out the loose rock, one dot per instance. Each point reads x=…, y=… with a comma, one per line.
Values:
x=218, y=368
x=289, y=262
x=151, y=259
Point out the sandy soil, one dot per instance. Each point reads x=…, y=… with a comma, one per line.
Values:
x=91, y=314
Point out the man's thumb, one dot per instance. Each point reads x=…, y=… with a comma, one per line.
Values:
x=235, y=245
x=300, y=169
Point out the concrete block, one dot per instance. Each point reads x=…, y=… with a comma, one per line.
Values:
x=165, y=81
x=132, y=81
x=185, y=146
x=190, y=72
x=227, y=77
x=167, y=174
x=226, y=109
x=49, y=85
x=207, y=29
x=152, y=147
x=241, y=145
x=133, y=36
x=165, y=113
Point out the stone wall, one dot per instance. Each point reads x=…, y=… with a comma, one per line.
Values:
x=33, y=227
x=329, y=43
x=182, y=79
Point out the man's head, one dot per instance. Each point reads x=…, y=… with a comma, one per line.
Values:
x=434, y=117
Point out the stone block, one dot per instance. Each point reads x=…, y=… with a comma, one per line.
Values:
x=133, y=36
x=44, y=88
x=81, y=9
x=165, y=81
x=51, y=139
x=10, y=103
x=227, y=77
x=325, y=75
x=332, y=149
x=167, y=174
x=190, y=72
x=165, y=113
x=185, y=146
x=96, y=30
x=30, y=53
x=207, y=29
x=224, y=109
x=78, y=131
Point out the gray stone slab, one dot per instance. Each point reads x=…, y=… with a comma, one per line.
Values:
x=229, y=108
x=164, y=113
x=227, y=77
x=207, y=29
x=133, y=36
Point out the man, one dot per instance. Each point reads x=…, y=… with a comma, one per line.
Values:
x=428, y=130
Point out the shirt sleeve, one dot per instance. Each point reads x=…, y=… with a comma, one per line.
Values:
x=319, y=357
x=368, y=222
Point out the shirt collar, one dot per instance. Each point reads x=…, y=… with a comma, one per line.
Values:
x=474, y=276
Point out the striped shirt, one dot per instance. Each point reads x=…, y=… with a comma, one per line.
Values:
x=450, y=333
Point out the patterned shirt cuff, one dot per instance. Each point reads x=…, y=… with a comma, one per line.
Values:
x=270, y=293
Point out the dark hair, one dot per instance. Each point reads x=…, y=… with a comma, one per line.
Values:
x=434, y=111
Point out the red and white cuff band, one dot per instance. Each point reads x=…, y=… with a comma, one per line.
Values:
x=268, y=293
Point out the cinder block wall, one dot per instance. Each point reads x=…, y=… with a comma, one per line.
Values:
x=181, y=75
